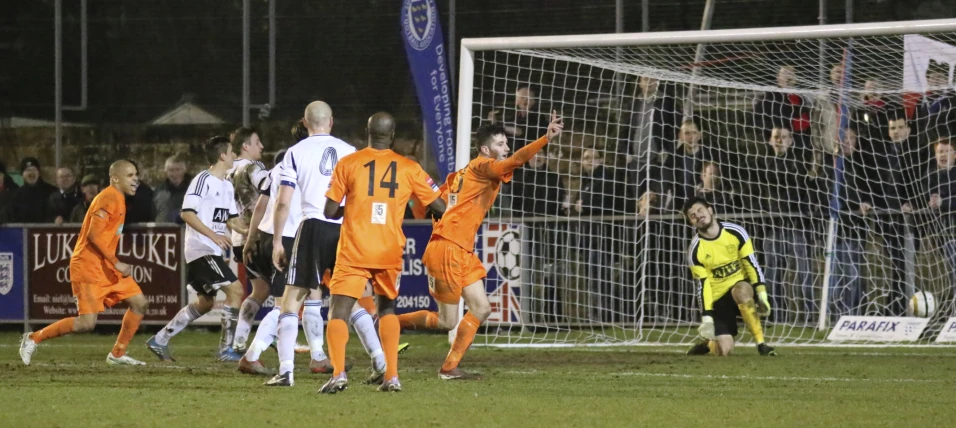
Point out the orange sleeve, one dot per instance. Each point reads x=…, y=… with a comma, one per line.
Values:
x=423, y=187
x=337, y=186
x=99, y=234
x=499, y=169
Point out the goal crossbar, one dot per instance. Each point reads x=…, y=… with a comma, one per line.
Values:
x=471, y=45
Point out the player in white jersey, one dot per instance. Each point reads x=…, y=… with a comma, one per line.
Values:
x=308, y=167
x=209, y=208
x=258, y=253
x=247, y=175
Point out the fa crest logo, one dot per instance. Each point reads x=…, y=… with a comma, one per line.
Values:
x=6, y=273
x=419, y=22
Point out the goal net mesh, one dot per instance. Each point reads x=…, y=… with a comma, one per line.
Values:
x=818, y=148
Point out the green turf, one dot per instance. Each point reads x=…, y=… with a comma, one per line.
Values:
x=69, y=384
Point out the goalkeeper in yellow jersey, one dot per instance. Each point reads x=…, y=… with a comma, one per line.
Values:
x=722, y=261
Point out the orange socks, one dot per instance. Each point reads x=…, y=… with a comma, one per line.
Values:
x=420, y=320
x=57, y=329
x=466, y=333
x=368, y=303
x=389, y=331
x=130, y=325
x=337, y=335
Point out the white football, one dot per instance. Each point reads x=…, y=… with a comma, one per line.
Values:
x=922, y=304
x=508, y=255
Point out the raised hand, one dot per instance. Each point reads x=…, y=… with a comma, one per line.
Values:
x=556, y=125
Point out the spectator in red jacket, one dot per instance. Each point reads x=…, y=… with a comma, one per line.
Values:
x=784, y=108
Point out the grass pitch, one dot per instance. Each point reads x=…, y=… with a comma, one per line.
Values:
x=69, y=384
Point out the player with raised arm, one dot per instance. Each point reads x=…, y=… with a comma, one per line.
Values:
x=723, y=262
x=209, y=208
x=98, y=278
x=308, y=167
x=247, y=176
x=454, y=272
x=375, y=185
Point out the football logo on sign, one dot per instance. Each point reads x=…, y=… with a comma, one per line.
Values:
x=6, y=273
x=508, y=255
x=419, y=18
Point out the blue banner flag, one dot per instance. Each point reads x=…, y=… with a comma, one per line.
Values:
x=425, y=47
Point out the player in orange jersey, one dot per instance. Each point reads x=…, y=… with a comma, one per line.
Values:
x=376, y=184
x=453, y=269
x=98, y=278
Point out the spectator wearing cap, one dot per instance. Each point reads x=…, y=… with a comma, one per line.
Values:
x=139, y=207
x=30, y=200
x=90, y=187
x=7, y=189
x=168, y=198
x=60, y=204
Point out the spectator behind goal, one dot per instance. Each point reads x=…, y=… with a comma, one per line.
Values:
x=7, y=189
x=139, y=207
x=29, y=201
x=168, y=197
x=90, y=187
x=60, y=204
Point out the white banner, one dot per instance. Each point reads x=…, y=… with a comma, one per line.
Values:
x=919, y=52
x=879, y=329
x=948, y=332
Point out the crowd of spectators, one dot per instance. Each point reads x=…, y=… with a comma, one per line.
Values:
x=35, y=201
x=780, y=178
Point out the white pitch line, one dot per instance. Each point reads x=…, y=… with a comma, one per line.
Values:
x=933, y=352
x=777, y=378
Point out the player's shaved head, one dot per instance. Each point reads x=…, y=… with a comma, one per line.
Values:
x=120, y=168
x=124, y=177
x=381, y=130
x=318, y=116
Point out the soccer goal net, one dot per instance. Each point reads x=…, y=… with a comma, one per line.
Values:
x=830, y=145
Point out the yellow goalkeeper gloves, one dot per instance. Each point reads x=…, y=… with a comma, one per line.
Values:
x=763, y=303
x=706, y=328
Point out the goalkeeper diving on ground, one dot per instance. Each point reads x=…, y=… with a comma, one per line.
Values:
x=723, y=262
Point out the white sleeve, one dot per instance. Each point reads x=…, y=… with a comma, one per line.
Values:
x=194, y=194
x=233, y=208
x=259, y=175
x=266, y=187
x=288, y=170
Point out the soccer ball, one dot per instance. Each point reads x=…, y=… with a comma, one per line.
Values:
x=508, y=255
x=922, y=304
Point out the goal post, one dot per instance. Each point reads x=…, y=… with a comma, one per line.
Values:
x=833, y=176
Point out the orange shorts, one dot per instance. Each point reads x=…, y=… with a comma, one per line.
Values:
x=450, y=268
x=351, y=281
x=94, y=298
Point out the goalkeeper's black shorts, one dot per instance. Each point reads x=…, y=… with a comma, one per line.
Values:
x=725, y=315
